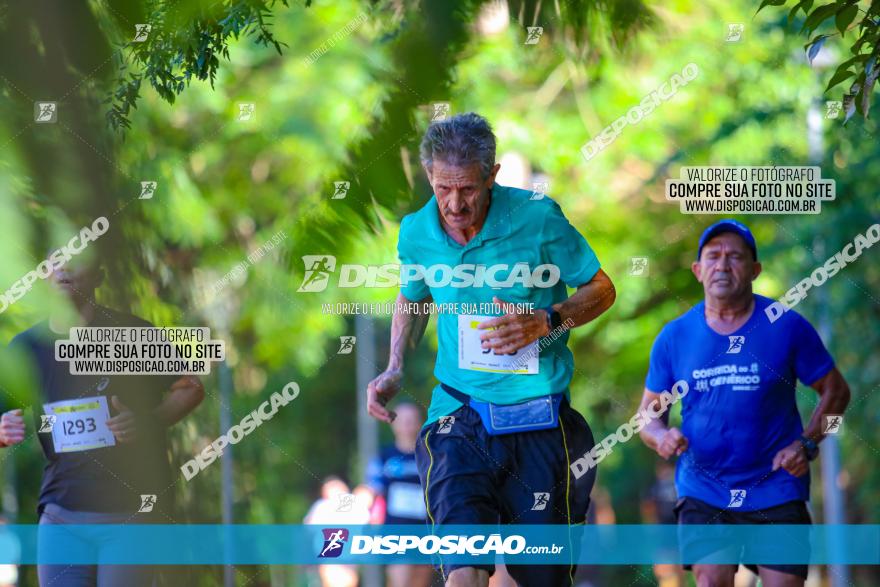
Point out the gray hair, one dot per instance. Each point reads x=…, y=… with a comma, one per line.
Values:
x=460, y=140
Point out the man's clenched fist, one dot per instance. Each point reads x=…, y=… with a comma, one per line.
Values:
x=380, y=391
x=792, y=459
x=672, y=443
x=11, y=428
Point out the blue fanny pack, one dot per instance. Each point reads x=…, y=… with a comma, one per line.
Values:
x=540, y=413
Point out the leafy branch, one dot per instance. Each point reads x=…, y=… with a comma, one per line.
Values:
x=863, y=65
x=181, y=46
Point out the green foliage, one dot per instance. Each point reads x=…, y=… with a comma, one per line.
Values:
x=865, y=47
x=185, y=43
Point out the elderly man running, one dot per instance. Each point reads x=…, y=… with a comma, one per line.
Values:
x=500, y=434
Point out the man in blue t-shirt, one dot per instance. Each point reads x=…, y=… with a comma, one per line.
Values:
x=500, y=434
x=744, y=454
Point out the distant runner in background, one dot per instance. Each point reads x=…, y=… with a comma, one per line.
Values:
x=658, y=507
x=337, y=506
x=394, y=478
x=108, y=457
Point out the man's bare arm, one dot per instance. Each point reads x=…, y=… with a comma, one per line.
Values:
x=657, y=434
x=834, y=396
x=186, y=394
x=515, y=330
x=590, y=300
x=407, y=329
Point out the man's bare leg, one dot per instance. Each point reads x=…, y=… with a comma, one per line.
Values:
x=338, y=575
x=714, y=575
x=409, y=575
x=771, y=578
x=501, y=578
x=468, y=577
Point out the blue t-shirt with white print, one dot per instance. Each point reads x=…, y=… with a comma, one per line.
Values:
x=740, y=409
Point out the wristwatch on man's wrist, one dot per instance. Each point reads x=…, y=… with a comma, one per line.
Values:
x=554, y=320
x=811, y=449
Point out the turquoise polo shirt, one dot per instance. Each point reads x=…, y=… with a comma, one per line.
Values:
x=517, y=230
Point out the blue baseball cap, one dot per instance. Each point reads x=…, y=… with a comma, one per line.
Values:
x=728, y=225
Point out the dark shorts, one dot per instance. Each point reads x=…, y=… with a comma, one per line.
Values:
x=68, y=575
x=694, y=511
x=470, y=477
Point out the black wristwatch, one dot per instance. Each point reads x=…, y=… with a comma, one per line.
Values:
x=811, y=449
x=554, y=320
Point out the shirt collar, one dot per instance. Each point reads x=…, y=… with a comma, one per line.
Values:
x=497, y=222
